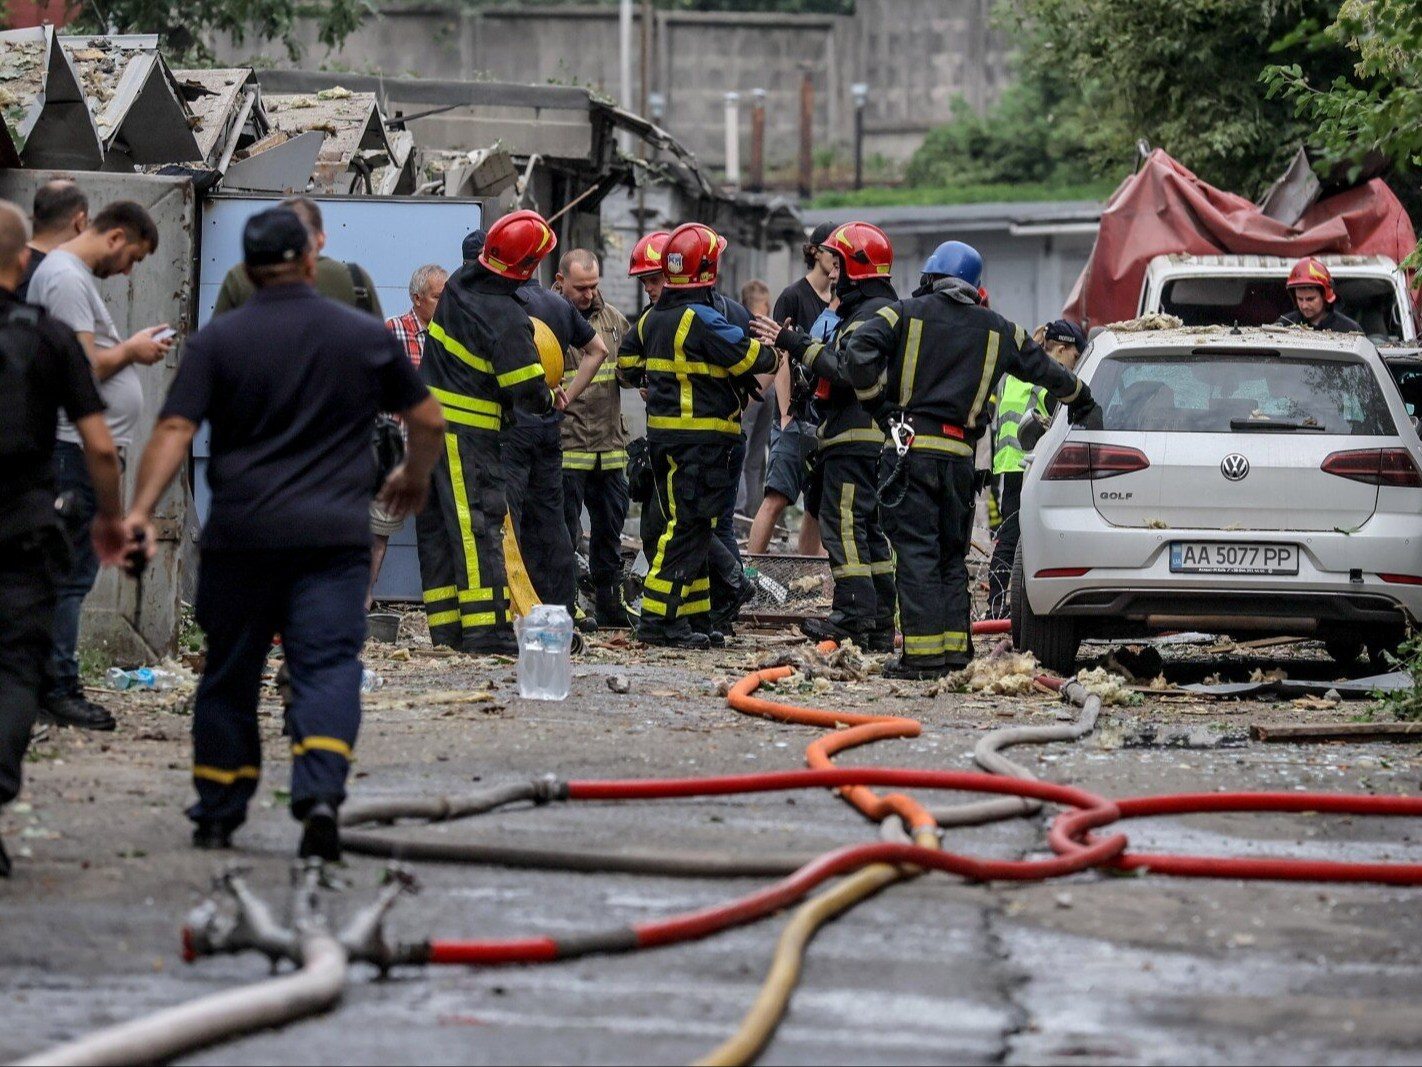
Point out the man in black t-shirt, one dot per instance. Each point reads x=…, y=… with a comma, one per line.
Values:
x=290, y=383
x=792, y=429
x=42, y=369
x=61, y=213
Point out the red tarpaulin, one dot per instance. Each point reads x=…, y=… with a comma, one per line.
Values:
x=1164, y=208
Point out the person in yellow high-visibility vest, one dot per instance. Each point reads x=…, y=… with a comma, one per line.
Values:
x=1018, y=404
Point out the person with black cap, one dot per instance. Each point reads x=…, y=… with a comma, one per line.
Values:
x=792, y=431
x=290, y=383
x=1023, y=411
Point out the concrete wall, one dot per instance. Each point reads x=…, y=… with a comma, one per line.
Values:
x=916, y=56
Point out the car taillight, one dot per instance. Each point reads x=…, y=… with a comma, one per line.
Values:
x=1401, y=579
x=1077, y=460
x=1062, y=572
x=1376, y=466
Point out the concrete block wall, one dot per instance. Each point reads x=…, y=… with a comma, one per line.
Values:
x=916, y=56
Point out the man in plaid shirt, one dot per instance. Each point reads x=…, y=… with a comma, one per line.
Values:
x=426, y=287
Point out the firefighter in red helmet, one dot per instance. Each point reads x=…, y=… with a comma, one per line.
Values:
x=481, y=362
x=848, y=444
x=695, y=365
x=1315, y=303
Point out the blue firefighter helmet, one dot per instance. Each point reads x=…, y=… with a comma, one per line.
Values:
x=956, y=260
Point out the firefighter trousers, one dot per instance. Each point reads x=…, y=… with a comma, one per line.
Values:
x=930, y=530
x=315, y=598
x=604, y=492
x=533, y=485
x=692, y=481
x=460, y=537
x=860, y=560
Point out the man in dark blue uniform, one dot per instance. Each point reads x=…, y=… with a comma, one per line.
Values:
x=290, y=383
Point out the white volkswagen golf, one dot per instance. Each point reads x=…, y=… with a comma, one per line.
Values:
x=1266, y=479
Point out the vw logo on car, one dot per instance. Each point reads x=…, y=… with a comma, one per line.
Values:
x=1234, y=467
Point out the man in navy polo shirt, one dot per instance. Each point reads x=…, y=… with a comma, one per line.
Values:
x=290, y=383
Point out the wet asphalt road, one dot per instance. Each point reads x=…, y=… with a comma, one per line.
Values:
x=1090, y=969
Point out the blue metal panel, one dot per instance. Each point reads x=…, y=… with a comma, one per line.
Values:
x=390, y=237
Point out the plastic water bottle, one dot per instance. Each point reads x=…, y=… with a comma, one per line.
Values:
x=370, y=681
x=142, y=678
x=545, y=642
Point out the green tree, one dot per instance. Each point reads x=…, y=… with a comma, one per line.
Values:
x=185, y=27
x=1375, y=110
x=1034, y=134
x=1097, y=76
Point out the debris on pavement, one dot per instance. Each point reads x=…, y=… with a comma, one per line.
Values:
x=1111, y=688
x=1009, y=674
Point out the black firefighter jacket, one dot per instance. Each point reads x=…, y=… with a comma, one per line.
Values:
x=480, y=361
x=697, y=367
x=938, y=357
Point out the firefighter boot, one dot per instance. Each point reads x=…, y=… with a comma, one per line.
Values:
x=611, y=611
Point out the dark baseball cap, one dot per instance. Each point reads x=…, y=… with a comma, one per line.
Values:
x=1066, y=332
x=275, y=235
x=474, y=244
x=823, y=232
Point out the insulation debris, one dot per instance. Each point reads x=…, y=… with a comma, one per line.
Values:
x=1111, y=688
x=1008, y=674
x=1147, y=323
x=847, y=663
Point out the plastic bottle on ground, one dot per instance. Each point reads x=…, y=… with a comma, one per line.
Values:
x=141, y=678
x=369, y=680
x=545, y=642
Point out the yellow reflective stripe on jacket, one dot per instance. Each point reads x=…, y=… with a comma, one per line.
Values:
x=923, y=442
x=465, y=403
x=615, y=459
x=889, y=315
x=994, y=342
x=671, y=422
x=868, y=436
x=222, y=777
x=679, y=353
x=509, y=379
x=910, y=371
x=322, y=744
x=444, y=592
x=469, y=418
x=681, y=368
x=454, y=348
x=752, y=354
x=479, y=595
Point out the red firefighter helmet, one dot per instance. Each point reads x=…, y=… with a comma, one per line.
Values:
x=692, y=256
x=863, y=249
x=516, y=244
x=647, y=254
x=1311, y=273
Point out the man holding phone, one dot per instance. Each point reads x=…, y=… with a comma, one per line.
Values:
x=66, y=285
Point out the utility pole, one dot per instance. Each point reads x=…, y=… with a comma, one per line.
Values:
x=624, y=57
x=757, y=156
x=733, y=140
x=647, y=21
x=807, y=138
x=860, y=92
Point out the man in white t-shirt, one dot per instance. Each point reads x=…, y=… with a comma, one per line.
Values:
x=66, y=286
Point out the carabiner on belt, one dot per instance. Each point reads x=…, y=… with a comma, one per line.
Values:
x=901, y=432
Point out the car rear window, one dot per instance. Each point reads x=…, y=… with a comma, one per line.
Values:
x=1227, y=394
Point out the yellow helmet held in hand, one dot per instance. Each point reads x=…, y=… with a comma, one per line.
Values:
x=550, y=352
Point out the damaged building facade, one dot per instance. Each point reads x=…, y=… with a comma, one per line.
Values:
x=204, y=147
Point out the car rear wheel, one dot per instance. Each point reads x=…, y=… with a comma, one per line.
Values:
x=1053, y=641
